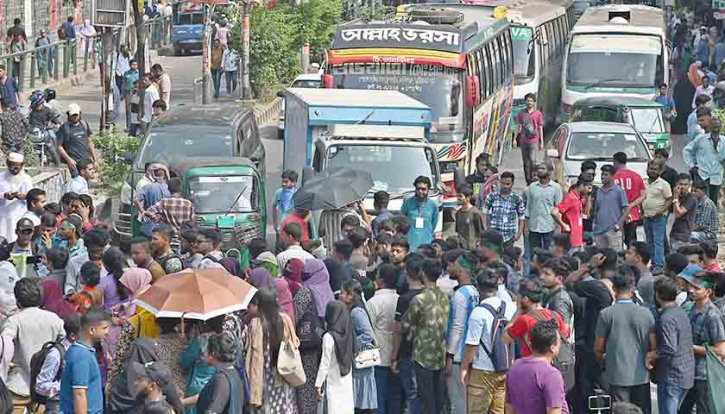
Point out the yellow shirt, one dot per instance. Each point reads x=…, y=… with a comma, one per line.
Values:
x=656, y=194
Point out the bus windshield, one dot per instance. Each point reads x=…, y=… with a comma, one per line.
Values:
x=437, y=86
x=524, y=54
x=615, y=60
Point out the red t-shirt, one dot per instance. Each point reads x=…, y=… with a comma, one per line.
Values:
x=524, y=323
x=633, y=185
x=571, y=210
x=714, y=268
x=294, y=218
x=537, y=119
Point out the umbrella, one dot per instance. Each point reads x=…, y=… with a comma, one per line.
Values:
x=199, y=294
x=333, y=189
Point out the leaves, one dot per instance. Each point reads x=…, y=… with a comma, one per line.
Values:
x=113, y=171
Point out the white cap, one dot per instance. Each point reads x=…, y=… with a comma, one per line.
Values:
x=15, y=157
x=74, y=109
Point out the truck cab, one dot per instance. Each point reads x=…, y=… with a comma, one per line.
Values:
x=187, y=28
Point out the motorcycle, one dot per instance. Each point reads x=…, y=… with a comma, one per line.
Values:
x=43, y=141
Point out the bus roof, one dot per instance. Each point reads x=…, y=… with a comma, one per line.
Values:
x=643, y=19
x=527, y=12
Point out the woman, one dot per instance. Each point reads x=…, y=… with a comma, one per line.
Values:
x=306, y=311
x=269, y=328
x=261, y=279
x=336, y=362
x=114, y=261
x=171, y=345
x=220, y=353
x=231, y=265
x=366, y=394
x=122, y=394
x=53, y=300
x=316, y=278
x=268, y=261
x=192, y=361
x=134, y=282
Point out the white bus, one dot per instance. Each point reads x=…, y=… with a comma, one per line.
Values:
x=615, y=50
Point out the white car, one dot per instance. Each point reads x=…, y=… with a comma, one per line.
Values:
x=576, y=142
x=310, y=80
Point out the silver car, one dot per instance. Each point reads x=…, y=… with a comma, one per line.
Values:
x=575, y=142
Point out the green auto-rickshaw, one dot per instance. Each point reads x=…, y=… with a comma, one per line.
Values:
x=646, y=116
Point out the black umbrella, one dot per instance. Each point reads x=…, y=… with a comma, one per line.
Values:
x=333, y=189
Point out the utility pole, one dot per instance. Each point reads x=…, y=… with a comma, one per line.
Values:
x=245, y=86
x=206, y=97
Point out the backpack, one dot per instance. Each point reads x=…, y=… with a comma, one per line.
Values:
x=36, y=364
x=564, y=362
x=66, y=129
x=501, y=355
x=173, y=255
x=310, y=329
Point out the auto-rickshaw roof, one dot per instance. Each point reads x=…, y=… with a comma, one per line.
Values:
x=616, y=101
x=200, y=162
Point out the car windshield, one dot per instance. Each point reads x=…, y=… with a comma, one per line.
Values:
x=437, y=86
x=595, y=113
x=189, y=18
x=524, y=54
x=171, y=144
x=601, y=146
x=223, y=194
x=647, y=120
x=306, y=83
x=394, y=168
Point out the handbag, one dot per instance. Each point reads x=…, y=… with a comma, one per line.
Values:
x=370, y=357
x=289, y=364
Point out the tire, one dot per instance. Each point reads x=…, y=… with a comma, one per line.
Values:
x=435, y=15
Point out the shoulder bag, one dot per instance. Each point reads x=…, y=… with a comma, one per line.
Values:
x=370, y=357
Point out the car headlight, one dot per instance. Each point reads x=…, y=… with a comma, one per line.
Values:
x=126, y=193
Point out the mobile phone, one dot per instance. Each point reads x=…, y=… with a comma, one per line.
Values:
x=33, y=259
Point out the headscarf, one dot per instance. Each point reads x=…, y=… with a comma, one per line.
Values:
x=316, y=278
x=336, y=272
x=261, y=279
x=269, y=262
x=53, y=300
x=87, y=30
x=293, y=274
x=231, y=265
x=338, y=326
x=136, y=280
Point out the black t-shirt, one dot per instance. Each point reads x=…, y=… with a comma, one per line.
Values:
x=75, y=140
x=682, y=227
x=216, y=396
x=670, y=175
x=588, y=223
x=597, y=298
x=406, y=342
x=40, y=119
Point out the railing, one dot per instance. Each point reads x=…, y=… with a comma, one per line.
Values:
x=59, y=60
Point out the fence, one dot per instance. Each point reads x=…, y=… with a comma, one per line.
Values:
x=60, y=60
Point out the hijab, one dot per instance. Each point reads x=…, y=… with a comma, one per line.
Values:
x=336, y=272
x=137, y=281
x=293, y=274
x=122, y=396
x=231, y=265
x=316, y=278
x=261, y=279
x=53, y=300
x=338, y=326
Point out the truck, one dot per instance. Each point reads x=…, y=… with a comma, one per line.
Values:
x=381, y=132
x=187, y=28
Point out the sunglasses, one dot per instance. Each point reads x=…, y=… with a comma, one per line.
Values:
x=26, y=231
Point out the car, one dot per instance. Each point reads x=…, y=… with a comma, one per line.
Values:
x=185, y=131
x=309, y=81
x=575, y=142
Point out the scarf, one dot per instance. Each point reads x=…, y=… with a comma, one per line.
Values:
x=316, y=278
x=137, y=281
x=338, y=326
x=261, y=279
x=53, y=300
x=231, y=265
x=293, y=274
x=272, y=269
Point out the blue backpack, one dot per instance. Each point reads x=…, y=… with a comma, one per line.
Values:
x=501, y=355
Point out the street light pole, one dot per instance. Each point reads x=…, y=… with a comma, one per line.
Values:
x=245, y=89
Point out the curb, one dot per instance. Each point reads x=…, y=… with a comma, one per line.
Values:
x=269, y=113
x=62, y=84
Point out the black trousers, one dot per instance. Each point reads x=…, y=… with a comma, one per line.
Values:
x=696, y=396
x=431, y=389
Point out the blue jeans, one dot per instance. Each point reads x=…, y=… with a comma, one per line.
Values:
x=669, y=398
x=231, y=76
x=654, y=229
x=700, y=236
x=410, y=385
x=390, y=391
x=216, y=76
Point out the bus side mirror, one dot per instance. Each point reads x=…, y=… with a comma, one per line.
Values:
x=473, y=91
x=327, y=81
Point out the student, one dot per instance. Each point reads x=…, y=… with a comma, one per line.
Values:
x=47, y=383
x=141, y=256
x=684, y=206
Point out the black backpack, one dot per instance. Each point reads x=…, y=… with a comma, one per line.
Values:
x=501, y=355
x=310, y=329
x=36, y=364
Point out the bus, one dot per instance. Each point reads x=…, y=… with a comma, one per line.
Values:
x=615, y=50
x=458, y=60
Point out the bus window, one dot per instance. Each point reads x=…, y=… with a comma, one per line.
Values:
x=483, y=73
x=489, y=69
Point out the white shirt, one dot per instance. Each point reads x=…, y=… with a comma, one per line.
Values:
x=77, y=185
x=11, y=211
x=151, y=96
x=479, y=330
x=229, y=60
x=122, y=64
x=339, y=392
x=292, y=252
x=381, y=309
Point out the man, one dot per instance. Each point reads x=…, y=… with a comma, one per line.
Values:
x=707, y=330
x=35, y=201
x=706, y=219
x=625, y=334
x=151, y=95
x=69, y=29
x=709, y=256
x=668, y=105
x=74, y=140
x=533, y=385
x=208, y=244
x=14, y=129
x=86, y=173
x=486, y=387
x=478, y=179
x=14, y=186
x=81, y=391
x=560, y=245
x=152, y=379
x=17, y=30
x=9, y=91
x=685, y=208
x=150, y=193
x=171, y=211
x=380, y=204
x=541, y=197
x=159, y=108
x=705, y=156
x=141, y=256
x=469, y=220
x=162, y=252
x=129, y=80
x=656, y=204
x=505, y=210
x=96, y=242
x=634, y=188
x=381, y=309
x=639, y=254
x=162, y=79
x=422, y=213
x=674, y=362
x=698, y=122
x=28, y=330
x=48, y=381
x=611, y=209
x=489, y=253
x=589, y=171
x=569, y=213
x=669, y=174
x=529, y=134
x=23, y=246
x=464, y=299
x=42, y=116
x=426, y=320
x=292, y=237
